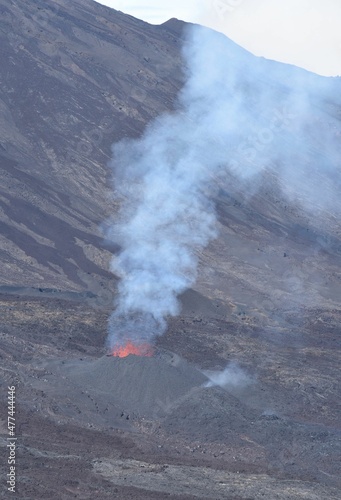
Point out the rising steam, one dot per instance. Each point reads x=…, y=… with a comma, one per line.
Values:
x=238, y=118
x=231, y=378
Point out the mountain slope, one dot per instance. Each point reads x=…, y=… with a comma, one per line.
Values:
x=93, y=76
x=74, y=79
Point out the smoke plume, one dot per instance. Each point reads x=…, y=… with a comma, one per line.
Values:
x=238, y=121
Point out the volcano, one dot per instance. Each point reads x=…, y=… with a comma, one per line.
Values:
x=75, y=78
x=139, y=384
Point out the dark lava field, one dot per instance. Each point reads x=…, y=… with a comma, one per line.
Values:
x=241, y=397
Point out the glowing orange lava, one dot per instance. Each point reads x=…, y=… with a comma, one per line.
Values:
x=131, y=348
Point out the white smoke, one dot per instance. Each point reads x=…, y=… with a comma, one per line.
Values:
x=165, y=218
x=231, y=378
x=238, y=118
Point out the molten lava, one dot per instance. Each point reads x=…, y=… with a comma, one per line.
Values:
x=130, y=348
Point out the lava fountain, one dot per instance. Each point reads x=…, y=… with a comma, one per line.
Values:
x=122, y=351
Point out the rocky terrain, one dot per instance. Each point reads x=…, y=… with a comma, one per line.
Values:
x=75, y=78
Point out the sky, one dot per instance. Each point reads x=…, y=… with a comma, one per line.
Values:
x=302, y=32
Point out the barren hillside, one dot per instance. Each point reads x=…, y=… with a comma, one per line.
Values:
x=75, y=78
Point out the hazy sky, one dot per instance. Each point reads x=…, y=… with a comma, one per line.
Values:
x=302, y=32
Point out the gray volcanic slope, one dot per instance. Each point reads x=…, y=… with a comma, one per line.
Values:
x=76, y=77
x=137, y=383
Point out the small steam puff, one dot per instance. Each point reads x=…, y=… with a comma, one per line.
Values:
x=239, y=119
x=232, y=377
